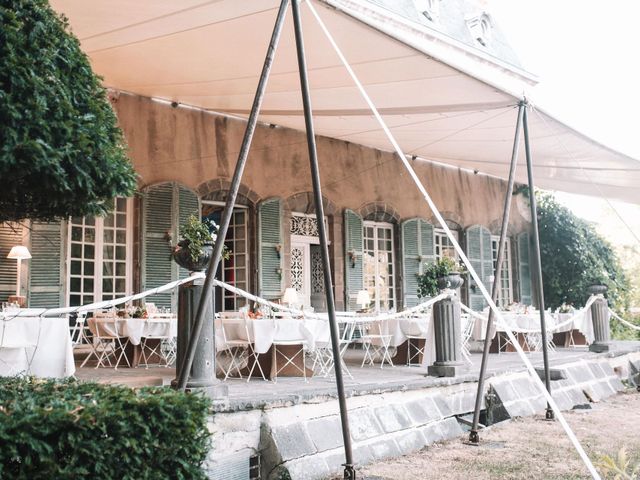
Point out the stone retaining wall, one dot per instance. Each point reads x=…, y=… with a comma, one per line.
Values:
x=304, y=442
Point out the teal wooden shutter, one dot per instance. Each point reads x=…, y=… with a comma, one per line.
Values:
x=478, y=241
x=353, y=251
x=10, y=236
x=524, y=268
x=45, y=271
x=187, y=205
x=270, y=248
x=417, y=250
x=158, y=227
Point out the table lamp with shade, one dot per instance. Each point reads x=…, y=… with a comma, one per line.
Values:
x=363, y=299
x=290, y=296
x=19, y=253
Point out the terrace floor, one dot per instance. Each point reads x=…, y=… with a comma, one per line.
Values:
x=291, y=390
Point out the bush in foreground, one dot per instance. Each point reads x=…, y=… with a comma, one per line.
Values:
x=69, y=430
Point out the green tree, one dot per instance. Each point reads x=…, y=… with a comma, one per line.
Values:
x=575, y=256
x=61, y=151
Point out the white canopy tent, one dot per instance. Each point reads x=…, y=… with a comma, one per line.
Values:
x=208, y=54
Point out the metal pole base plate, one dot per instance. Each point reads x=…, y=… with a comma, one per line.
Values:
x=349, y=472
x=549, y=415
x=474, y=438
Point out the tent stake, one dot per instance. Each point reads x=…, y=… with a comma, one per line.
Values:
x=349, y=471
x=537, y=263
x=474, y=438
x=189, y=355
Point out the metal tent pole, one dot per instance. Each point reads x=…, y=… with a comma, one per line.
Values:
x=474, y=438
x=537, y=262
x=189, y=355
x=349, y=471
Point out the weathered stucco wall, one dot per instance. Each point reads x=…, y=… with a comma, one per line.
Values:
x=192, y=147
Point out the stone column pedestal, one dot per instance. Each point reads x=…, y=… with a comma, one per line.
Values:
x=202, y=376
x=600, y=321
x=448, y=337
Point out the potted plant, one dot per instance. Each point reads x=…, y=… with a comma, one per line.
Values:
x=195, y=247
x=445, y=273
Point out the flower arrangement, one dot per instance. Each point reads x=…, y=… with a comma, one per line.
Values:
x=428, y=280
x=195, y=234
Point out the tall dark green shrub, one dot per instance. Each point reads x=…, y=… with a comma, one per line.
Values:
x=574, y=256
x=72, y=430
x=61, y=151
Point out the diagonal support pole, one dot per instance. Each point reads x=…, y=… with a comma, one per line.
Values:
x=537, y=262
x=189, y=355
x=349, y=471
x=474, y=438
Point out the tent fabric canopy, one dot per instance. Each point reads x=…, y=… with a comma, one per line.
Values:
x=208, y=54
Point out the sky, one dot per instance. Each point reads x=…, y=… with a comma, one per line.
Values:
x=586, y=54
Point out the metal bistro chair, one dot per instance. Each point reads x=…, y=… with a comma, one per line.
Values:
x=238, y=338
x=418, y=329
x=323, y=358
x=376, y=342
x=288, y=333
x=467, y=330
x=159, y=340
x=107, y=342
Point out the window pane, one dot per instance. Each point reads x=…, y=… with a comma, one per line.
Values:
x=76, y=250
x=108, y=236
x=108, y=220
x=121, y=253
x=107, y=269
x=121, y=269
x=74, y=284
x=107, y=252
x=89, y=235
x=87, y=285
x=89, y=221
x=121, y=220
x=120, y=285
x=88, y=268
x=121, y=236
x=76, y=234
x=76, y=267
x=107, y=285
x=89, y=251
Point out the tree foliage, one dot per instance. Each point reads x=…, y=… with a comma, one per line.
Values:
x=61, y=151
x=575, y=256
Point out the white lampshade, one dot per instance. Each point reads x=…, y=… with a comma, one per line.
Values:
x=19, y=253
x=363, y=298
x=290, y=296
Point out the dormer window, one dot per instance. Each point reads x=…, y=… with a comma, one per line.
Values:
x=481, y=27
x=429, y=8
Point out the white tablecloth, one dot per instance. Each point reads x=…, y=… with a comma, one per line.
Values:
x=525, y=322
x=264, y=332
x=36, y=346
x=135, y=328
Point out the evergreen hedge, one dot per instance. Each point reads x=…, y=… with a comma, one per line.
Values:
x=61, y=151
x=71, y=430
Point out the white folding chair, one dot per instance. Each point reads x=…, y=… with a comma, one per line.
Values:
x=159, y=340
x=467, y=331
x=417, y=330
x=376, y=342
x=288, y=332
x=107, y=342
x=79, y=330
x=324, y=359
x=239, y=340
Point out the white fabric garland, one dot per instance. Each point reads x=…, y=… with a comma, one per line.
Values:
x=623, y=321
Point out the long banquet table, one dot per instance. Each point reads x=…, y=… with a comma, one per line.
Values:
x=39, y=346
